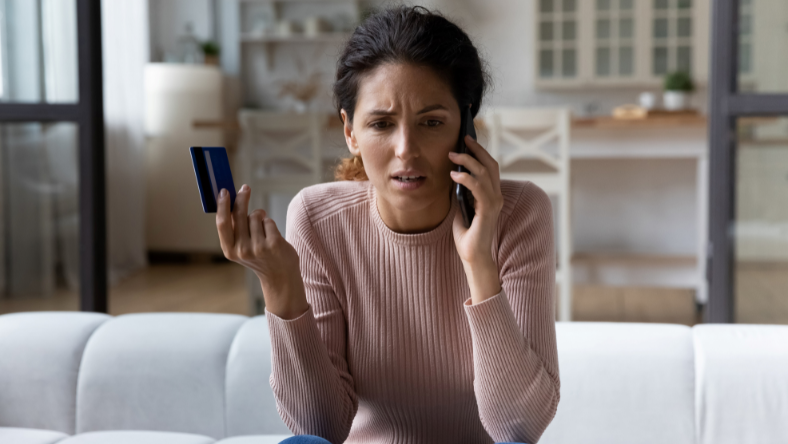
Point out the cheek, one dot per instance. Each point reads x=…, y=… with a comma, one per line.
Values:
x=441, y=146
x=376, y=151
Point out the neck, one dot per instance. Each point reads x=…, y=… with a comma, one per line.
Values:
x=419, y=220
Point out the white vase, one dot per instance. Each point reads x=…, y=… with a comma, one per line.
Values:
x=647, y=100
x=299, y=106
x=675, y=100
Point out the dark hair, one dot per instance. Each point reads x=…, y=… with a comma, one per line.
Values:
x=407, y=34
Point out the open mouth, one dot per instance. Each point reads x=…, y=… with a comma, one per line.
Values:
x=408, y=179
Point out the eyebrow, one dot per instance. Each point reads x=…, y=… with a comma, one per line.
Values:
x=383, y=112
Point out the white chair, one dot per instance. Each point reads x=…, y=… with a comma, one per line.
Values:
x=278, y=154
x=539, y=137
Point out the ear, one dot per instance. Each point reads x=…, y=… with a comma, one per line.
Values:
x=350, y=137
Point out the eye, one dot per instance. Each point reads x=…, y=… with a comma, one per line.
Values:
x=433, y=122
x=380, y=124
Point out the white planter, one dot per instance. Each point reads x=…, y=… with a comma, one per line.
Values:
x=675, y=100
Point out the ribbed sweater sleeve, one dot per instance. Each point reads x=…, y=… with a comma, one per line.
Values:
x=515, y=357
x=310, y=379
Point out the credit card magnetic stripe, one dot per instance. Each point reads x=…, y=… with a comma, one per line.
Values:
x=211, y=174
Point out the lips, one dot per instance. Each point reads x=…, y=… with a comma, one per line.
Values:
x=409, y=173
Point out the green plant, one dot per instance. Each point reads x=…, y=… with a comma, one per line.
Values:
x=679, y=81
x=210, y=48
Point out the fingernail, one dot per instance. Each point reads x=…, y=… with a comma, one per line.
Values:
x=223, y=193
x=452, y=154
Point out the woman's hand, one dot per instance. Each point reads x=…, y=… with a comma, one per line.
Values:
x=474, y=244
x=254, y=241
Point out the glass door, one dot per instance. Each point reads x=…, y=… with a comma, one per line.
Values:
x=52, y=209
x=761, y=221
x=748, y=248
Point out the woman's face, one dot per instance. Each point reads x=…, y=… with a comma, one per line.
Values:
x=406, y=122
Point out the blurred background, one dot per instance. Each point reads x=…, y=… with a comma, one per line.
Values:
x=603, y=103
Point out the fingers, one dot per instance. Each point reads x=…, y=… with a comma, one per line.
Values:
x=470, y=182
x=484, y=158
x=485, y=200
x=240, y=213
x=466, y=160
x=224, y=224
x=257, y=231
x=479, y=151
x=271, y=230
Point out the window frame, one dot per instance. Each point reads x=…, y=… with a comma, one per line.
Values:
x=88, y=113
x=726, y=105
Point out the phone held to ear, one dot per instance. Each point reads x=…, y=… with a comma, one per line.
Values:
x=464, y=195
x=212, y=168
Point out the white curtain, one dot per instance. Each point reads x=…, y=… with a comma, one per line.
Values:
x=125, y=51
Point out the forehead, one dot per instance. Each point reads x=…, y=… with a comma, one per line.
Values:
x=395, y=85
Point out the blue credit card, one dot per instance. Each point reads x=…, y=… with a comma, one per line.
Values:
x=212, y=168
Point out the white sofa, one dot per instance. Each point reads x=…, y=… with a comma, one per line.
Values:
x=190, y=378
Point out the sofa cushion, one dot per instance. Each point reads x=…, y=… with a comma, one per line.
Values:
x=18, y=435
x=255, y=439
x=742, y=383
x=41, y=354
x=137, y=437
x=158, y=372
x=624, y=383
x=251, y=406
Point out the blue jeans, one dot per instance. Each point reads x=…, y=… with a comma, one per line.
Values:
x=310, y=439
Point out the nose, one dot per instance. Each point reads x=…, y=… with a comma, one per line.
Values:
x=406, y=146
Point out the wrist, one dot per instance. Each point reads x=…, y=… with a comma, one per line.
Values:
x=483, y=280
x=286, y=301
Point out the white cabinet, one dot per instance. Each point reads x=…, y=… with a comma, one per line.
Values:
x=618, y=42
x=175, y=96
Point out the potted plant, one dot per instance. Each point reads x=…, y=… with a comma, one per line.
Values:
x=678, y=87
x=211, y=52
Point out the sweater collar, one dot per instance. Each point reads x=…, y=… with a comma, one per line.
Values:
x=427, y=237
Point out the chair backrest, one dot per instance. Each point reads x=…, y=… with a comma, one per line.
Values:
x=543, y=126
x=281, y=144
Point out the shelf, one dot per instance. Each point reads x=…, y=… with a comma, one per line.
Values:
x=634, y=260
x=332, y=37
x=665, y=120
x=298, y=1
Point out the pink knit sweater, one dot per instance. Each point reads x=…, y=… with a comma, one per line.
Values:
x=391, y=349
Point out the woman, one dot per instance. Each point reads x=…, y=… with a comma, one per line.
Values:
x=390, y=320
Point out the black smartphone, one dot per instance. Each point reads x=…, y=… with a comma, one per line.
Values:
x=464, y=195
